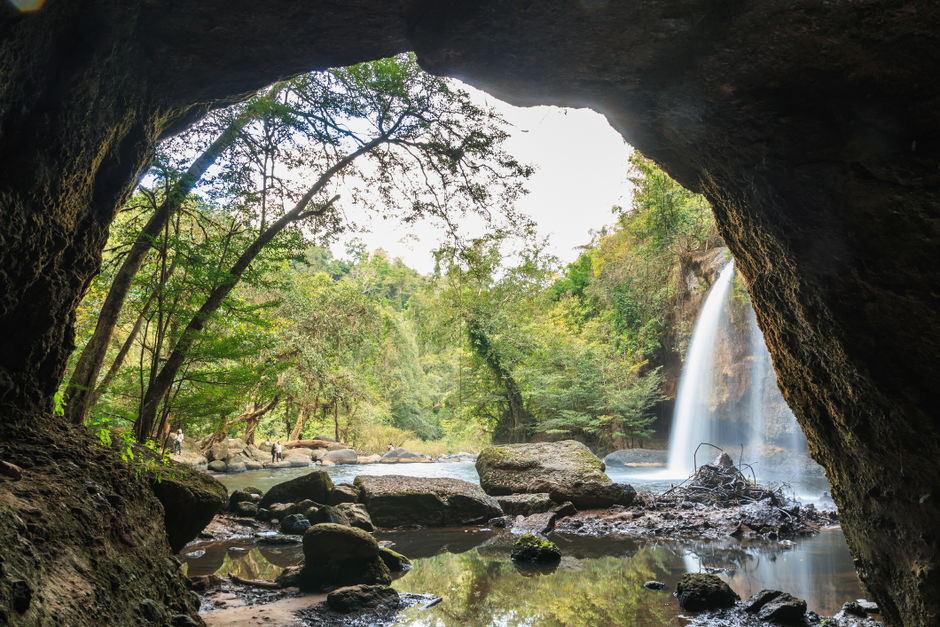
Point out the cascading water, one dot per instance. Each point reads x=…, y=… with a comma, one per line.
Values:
x=728, y=397
x=692, y=418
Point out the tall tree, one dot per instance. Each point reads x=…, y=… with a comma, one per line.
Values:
x=432, y=152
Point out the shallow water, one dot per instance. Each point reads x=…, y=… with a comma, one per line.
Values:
x=345, y=473
x=599, y=581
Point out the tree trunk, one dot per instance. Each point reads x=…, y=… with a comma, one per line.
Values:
x=174, y=362
x=80, y=390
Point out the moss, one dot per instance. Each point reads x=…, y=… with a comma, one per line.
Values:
x=534, y=550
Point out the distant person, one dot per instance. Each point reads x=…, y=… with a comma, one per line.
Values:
x=274, y=452
x=390, y=448
x=178, y=442
x=279, y=452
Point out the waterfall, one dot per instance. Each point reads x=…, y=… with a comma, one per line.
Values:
x=692, y=420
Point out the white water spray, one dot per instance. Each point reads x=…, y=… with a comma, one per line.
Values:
x=692, y=416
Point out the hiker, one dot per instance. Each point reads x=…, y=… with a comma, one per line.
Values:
x=279, y=450
x=178, y=442
x=274, y=448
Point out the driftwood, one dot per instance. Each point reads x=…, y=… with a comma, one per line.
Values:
x=307, y=443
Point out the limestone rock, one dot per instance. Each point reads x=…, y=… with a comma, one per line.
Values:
x=525, y=504
x=590, y=494
x=704, y=591
x=396, y=500
x=315, y=485
x=351, y=598
x=357, y=515
x=344, y=493
x=335, y=555
x=190, y=499
x=538, y=524
x=341, y=456
x=520, y=468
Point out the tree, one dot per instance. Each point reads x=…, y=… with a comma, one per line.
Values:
x=430, y=150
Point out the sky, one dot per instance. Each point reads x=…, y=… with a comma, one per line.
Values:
x=581, y=172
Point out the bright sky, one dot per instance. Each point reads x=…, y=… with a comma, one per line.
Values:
x=581, y=172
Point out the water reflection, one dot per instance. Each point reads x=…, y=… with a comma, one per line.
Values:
x=599, y=580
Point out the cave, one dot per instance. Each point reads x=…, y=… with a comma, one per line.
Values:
x=813, y=128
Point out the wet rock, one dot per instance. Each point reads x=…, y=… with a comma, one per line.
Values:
x=776, y=606
x=249, y=494
x=344, y=493
x=282, y=510
x=654, y=585
x=396, y=500
x=294, y=524
x=335, y=555
x=869, y=606
x=395, y=561
x=565, y=509
x=254, y=465
x=326, y=514
x=525, y=504
x=501, y=522
x=245, y=508
x=764, y=517
x=357, y=515
x=341, y=456
x=703, y=591
x=234, y=467
x=297, y=462
x=217, y=466
x=290, y=577
x=369, y=459
x=539, y=524
x=352, y=598
x=190, y=499
x=279, y=464
x=591, y=494
x=399, y=455
x=533, y=550
x=183, y=620
x=521, y=468
x=264, y=515
x=12, y=471
x=315, y=486
x=21, y=596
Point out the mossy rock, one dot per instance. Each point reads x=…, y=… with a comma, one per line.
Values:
x=335, y=555
x=523, y=468
x=530, y=549
x=190, y=500
x=315, y=486
x=395, y=561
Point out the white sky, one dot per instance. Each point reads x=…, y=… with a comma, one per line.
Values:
x=581, y=172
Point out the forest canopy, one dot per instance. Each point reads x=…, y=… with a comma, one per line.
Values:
x=221, y=310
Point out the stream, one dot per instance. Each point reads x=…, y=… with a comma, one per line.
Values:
x=599, y=581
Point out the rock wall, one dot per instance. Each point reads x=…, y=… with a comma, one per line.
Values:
x=814, y=129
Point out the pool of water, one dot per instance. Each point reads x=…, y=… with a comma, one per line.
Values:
x=599, y=581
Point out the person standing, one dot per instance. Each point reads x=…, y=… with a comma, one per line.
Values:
x=279, y=450
x=178, y=442
x=274, y=448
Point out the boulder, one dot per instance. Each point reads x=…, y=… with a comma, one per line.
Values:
x=352, y=598
x=294, y=524
x=637, y=457
x=326, y=514
x=539, y=524
x=190, y=499
x=254, y=465
x=357, y=515
x=249, y=494
x=315, y=486
x=565, y=509
x=402, y=455
x=590, y=494
x=395, y=561
x=282, y=510
x=245, y=508
x=217, y=452
x=520, y=468
x=335, y=555
x=281, y=464
x=298, y=452
x=335, y=446
x=704, y=591
x=344, y=493
x=216, y=466
x=530, y=549
x=654, y=585
x=777, y=607
x=525, y=504
x=369, y=459
x=235, y=467
x=395, y=500
x=297, y=462
x=341, y=456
